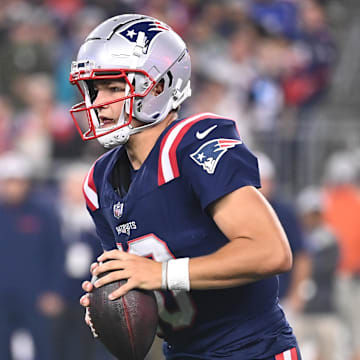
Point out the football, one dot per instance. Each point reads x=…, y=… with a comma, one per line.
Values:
x=126, y=326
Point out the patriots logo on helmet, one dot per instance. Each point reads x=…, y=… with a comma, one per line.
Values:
x=209, y=154
x=149, y=28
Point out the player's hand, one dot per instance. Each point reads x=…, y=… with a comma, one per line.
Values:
x=85, y=301
x=140, y=272
x=87, y=286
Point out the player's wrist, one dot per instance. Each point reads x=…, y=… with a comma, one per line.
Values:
x=164, y=285
x=175, y=274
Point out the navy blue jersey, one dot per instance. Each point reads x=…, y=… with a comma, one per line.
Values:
x=160, y=211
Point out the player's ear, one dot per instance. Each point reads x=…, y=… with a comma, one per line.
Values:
x=159, y=88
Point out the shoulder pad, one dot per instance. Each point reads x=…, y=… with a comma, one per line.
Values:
x=185, y=129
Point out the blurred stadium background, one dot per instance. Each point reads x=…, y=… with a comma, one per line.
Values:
x=288, y=71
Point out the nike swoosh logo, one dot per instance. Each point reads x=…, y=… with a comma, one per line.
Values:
x=205, y=133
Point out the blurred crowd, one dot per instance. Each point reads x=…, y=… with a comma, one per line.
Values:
x=264, y=63
x=267, y=64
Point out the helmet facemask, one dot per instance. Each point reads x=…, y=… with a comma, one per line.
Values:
x=138, y=84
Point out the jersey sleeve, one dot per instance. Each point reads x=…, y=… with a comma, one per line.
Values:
x=91, y=194
x=215, y=161
x=103, y=230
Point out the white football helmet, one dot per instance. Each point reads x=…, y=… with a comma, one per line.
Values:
x=143, y=51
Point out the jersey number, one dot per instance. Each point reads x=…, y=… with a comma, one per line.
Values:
x=151, y=246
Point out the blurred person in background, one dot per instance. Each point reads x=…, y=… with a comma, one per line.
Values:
x=32, y=260
x=318, y=324
x=204, y=38
x=6, y=123
x=44, y=131
x=314, y=55
x=266, y=108
x=214, y=96
x=237, y=62
x=79, y=23
x=305, y=85
x=266, y=95
x=174, y=12
x=341, y=212
x=72, y=337
x=304, y=25
x=225, y=92
x=290, y=282
x=276, y=17
x=30, y=44
x=306, y=55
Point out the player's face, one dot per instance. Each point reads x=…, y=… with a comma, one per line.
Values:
x=108, y=91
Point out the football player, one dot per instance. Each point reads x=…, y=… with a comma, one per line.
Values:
x=175, y=201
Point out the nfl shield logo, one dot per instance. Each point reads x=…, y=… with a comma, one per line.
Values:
x=118, y=209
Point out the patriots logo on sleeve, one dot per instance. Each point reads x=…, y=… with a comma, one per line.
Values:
x=209, y=154
x=149, y=28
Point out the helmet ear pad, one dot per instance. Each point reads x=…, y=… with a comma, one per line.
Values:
x=158, y=88
x=156, y=105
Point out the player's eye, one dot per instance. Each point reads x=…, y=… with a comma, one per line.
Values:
x=115, y=89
